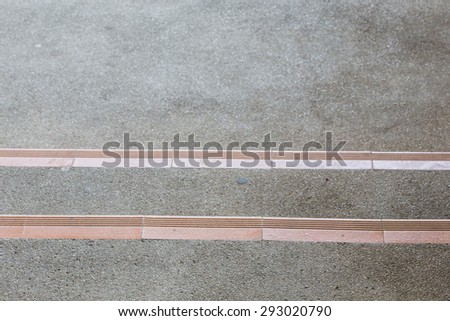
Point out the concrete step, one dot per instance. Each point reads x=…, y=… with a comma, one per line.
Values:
x=226, y=192
x=214, y=270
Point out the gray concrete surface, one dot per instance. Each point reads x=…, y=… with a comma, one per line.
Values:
x=180, y=270
x=316, y=193
x=76, y=74
x=80, y=73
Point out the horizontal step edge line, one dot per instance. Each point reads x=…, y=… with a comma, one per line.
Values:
x=225, y=222
x=200, y=154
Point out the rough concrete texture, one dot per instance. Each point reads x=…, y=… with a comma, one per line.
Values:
x=180, y=270
x=306, y=193
x=76, y=74
x=80, y=73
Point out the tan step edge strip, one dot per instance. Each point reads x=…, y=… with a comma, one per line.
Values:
x=228, y=159
x=225, y=228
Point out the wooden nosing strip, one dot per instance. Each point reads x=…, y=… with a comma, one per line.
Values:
x=416, y=225
x=227, y=222
x=201, y=222
x=7, y=220
x=323, y=224
x=226, y=154
x=124, y=221
x=225, y=228
x=410, y=156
